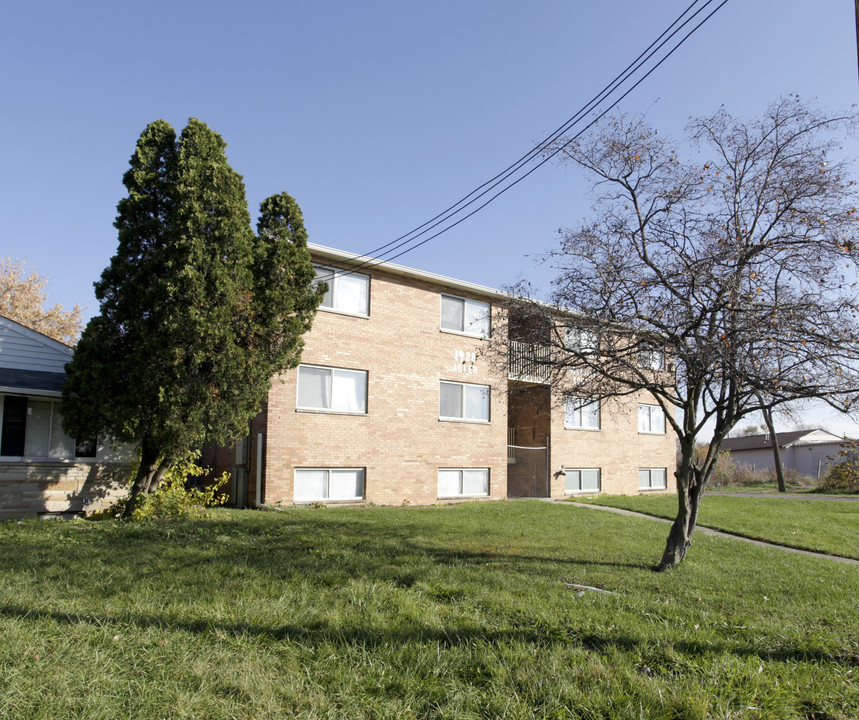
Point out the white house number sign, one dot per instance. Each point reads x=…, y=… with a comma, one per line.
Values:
x=464, y=362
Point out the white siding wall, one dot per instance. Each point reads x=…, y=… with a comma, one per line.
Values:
x=25, y=349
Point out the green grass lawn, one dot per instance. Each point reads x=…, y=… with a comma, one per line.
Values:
x=830, y=526
x=465, y=611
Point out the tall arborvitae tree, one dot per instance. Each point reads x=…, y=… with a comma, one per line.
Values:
x=188, y=335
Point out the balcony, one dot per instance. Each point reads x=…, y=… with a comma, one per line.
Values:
x=528, y=362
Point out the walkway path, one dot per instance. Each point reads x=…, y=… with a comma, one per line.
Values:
x=711, y=531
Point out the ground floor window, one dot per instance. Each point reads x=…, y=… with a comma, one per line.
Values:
x=582, y=480
x=651, y=478
x=32, y=427
x=316, y=484
x=458, y=482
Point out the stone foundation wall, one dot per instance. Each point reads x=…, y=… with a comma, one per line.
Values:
x=55, y=487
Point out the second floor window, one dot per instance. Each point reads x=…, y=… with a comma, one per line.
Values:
x=347, y=292
x=469, y=317
x=333, y=389
x=651, y=419
x=581, y=413
x=651, y=357
x=585, y=342
x=463, y=401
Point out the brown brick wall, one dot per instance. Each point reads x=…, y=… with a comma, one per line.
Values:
x=617, y=448
x=400, y=442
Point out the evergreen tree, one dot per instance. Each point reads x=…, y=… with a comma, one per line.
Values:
x=196, y=314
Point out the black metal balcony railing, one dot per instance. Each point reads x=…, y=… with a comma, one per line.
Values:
x=528, y=362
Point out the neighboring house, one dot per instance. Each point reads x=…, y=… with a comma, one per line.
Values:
x=808, y=452
x=396, y=401
x=43, y=470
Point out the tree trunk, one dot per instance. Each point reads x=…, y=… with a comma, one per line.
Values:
x=690, y=488
x=158, y=475
x=779, y=471
x=148, y=467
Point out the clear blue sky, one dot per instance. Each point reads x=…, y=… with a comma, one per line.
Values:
x=374, y=115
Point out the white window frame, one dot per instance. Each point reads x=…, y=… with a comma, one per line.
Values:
x=663, y=472
x=331, y=409
x=462, y=471
x=577, y=409
x=466, y=388
x=60, y=447
x=577, y=472
x=326, y=494
x=332, y=276
x=653, y=412
x=462, y=328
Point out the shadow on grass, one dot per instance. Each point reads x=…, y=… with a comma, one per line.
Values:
x=538, y=634
x=284, y=547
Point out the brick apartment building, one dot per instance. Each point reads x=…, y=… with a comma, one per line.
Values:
x=397, y=401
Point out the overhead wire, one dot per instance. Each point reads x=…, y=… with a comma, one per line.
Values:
x=408, y=240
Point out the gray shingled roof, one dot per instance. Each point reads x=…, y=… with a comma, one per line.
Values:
x=756, y=442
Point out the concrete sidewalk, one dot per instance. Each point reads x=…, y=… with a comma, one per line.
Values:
x=711, y=531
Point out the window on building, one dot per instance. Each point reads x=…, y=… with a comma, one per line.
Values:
x=459, y=482
x=651, y=357
x=463, y=401
x=581, y=413
x=582, y=480
x=348, y=292
x=32, y=427
x=319, y=484
x=332, y=389
x=651, y=479
x=14, y=425
x=470, y=317
x=585, y=342
x=651, y=419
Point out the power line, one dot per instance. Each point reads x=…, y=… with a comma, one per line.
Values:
x=408, y=240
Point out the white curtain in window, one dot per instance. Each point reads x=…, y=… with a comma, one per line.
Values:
x=476, y=318
x=62, y=446
x=591, y=480
x=452, y=313
x=449, y=483
x=475, y=482
x=314, y=387
x=345, y=484
x=476, y=402
x=349, y=391
x=644, y=418
x=450, y=400
x=572, y=481
x=37, y=438
x=350, y=293
x=326, y=275
x=310, y=485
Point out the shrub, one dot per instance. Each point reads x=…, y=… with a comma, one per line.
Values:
x=173, y=497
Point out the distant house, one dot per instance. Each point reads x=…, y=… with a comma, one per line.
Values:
x=43, y=470
x=808, y=452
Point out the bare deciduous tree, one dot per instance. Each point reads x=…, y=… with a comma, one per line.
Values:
x=22, y=299
x=736, y=270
